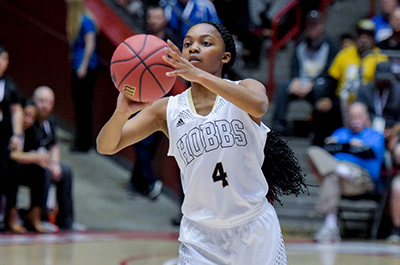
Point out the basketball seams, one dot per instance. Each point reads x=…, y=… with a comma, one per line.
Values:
x=136, y=68
x=142, y=61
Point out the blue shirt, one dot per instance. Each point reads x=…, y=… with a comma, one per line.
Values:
x=383, y=30
x=180, y=19
x=368, y=137
x=78, y=49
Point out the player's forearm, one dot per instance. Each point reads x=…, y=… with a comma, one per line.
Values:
x=110, y=135
x=252, y=100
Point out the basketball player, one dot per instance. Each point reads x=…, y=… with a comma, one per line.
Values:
x=217, y=138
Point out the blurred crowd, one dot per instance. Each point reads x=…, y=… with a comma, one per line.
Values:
x=350, y=81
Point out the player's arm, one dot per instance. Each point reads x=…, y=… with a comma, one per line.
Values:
x=249, y=95
x=120, y=131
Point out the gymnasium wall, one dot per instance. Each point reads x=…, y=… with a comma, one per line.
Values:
x=34, y=34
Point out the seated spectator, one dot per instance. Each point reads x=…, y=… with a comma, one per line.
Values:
x=29, y=170
x=383, y=29
x=392, y=42
x=42, y=136
x=312, y=57
x=382, y=98
x=349, y=165
x=355, y=65
x=182, y=14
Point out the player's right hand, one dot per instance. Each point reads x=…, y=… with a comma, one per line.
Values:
x=128, y=106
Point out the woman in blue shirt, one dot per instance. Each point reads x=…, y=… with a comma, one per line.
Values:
x=81, y=33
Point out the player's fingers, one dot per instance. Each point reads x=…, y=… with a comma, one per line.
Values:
x=173, y=47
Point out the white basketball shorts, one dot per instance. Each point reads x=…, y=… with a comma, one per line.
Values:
x=256, y=242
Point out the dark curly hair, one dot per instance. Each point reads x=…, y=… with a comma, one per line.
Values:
x=229, y=44
x=282, y=169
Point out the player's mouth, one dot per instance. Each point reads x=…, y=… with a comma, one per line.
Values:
x=193, y=59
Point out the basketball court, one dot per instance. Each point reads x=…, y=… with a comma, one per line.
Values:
x=161, y=248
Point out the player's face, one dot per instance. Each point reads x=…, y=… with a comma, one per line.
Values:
x=30, y=113
x=204, y=47
x=3, y=63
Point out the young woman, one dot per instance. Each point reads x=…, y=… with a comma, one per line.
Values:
x=82, y=38
x=217, y=138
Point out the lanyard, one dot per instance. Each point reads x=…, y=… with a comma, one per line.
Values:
x=47, y=131
x=380, y=101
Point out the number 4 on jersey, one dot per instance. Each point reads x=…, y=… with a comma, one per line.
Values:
x=220, y=175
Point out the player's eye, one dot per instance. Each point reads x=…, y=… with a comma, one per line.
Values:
x=206, y=43
x=186, y=44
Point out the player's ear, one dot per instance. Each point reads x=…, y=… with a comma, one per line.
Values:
x=227, y=57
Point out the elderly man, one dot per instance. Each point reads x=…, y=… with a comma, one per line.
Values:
x=349, y=165
x=42, y=136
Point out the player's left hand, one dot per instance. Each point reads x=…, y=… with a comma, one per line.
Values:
x=183, y=67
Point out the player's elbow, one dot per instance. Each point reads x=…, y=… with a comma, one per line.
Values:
x=260, y=109
x=104, y=150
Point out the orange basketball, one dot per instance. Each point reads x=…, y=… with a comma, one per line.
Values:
x=138, y=70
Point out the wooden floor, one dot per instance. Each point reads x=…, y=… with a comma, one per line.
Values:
x=161, y=248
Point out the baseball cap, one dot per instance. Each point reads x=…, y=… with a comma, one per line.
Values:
x=366, y=26
x=383, y=71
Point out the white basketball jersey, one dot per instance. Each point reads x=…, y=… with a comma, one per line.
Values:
x=220, y=157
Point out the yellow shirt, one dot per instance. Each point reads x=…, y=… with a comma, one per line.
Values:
x=348, y=58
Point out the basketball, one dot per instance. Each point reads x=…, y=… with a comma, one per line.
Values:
x=138, y=70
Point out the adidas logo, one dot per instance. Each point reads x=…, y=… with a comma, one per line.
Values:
x=180, y=123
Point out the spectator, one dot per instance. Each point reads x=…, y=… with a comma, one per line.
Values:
x=393, y=42
x=43, y=137
x=28, y=169
x=183, y=14
x=347, y=40
x=383, y=30
x=81, y=32
x=355, y=65
x=312, y=57
x=352, y=169
x=382, y=98
x=10, y=119
x=157, y=24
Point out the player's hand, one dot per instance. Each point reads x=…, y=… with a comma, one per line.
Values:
x=183, y=67
x=128, y=106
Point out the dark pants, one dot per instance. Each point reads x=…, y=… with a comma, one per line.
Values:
x=32, y=176
x=65, y=214
x=323, y=124
x=142, y=174
x=82, y=93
